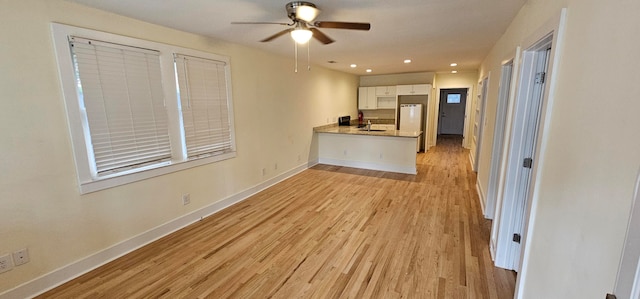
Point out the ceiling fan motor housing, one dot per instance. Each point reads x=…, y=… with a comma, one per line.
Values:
x=292, y=8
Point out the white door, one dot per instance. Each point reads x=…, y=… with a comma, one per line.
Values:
x=520, y=163
x=452, y=110
x=498, y=139
x=628, y=280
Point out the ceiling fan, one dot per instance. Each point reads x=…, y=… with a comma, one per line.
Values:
x=303, y=26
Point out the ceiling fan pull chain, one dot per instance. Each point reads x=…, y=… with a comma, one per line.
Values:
x=295, y=47
x=308, y=56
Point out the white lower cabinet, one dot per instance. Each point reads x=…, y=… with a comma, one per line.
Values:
x=383, y=153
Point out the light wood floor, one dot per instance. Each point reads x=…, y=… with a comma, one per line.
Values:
x=329, y=232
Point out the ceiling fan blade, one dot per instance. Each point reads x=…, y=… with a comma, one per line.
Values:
x=281, y=33
x=343, y=25
x=323, y=38
x=243, y=23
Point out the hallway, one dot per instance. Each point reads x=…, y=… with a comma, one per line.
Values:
x=328, y=232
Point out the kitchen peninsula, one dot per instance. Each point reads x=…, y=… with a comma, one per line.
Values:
x=384, y=150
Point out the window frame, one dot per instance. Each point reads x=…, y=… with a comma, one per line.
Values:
x=81, y=142
x=452, y=102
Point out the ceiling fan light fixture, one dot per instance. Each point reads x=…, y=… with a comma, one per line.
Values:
x=301, y=35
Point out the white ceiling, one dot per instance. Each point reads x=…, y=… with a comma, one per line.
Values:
x=432, y=33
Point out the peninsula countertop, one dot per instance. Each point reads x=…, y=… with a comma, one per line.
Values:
x=354, y=130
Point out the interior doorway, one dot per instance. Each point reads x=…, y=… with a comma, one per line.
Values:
x=452, y=108
x=478, y=122
x=521, y=165
x=504, y=94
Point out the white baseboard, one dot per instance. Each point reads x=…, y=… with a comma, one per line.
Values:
x=66, y=273
x=369, y=165
x=313, y=162
x=481, y=197
x=492, y=250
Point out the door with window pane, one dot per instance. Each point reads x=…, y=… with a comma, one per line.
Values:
x=452, y=109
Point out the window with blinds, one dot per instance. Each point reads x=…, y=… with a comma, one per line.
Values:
x=202, y=90
x=137, y=109
x=121, y=96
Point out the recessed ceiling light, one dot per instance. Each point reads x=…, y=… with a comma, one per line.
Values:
x=369, y=70
x=454, y=64
x=454, y=72
x=353, y=65
x=407, y=61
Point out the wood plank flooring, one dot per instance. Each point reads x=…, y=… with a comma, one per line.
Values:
x=329, y=232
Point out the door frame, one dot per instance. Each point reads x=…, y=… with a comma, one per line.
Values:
x=554, y=26
x=510, y=214
x=441, y=90
x=483, y=91
x=504, y=114
x=628, y=277
x=465, y=131
x=523, y=142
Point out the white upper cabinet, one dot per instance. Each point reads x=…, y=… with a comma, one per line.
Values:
x=385, y=97
x=415, y=89
x=367, y=98
x=385, y=91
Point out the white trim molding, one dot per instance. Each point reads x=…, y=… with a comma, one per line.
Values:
x=481, y=198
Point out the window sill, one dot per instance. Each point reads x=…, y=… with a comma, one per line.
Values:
x=150, y=172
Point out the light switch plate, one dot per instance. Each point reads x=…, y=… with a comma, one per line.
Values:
x=21, y=257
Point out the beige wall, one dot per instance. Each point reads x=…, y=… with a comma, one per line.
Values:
x=40, y=206
x=589, y=165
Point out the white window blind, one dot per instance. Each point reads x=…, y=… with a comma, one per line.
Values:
x=121, y=96
x=204, y=103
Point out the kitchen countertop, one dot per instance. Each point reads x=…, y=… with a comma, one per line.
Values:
x=354, y=130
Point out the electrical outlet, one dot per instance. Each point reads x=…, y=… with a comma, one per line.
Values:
x=186, y=199
x=298, y=158
x=264, y=171
x=275, y=166
x=5, y=263
x=21, y=257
